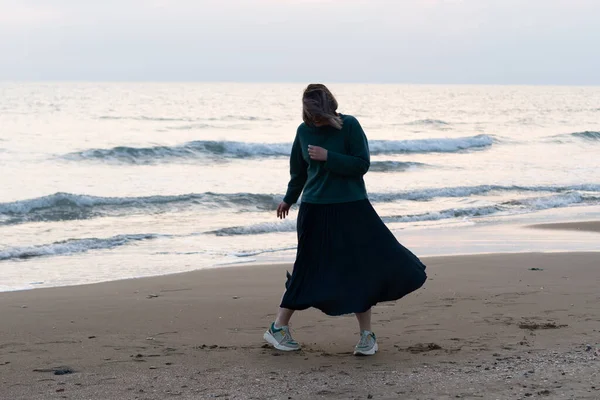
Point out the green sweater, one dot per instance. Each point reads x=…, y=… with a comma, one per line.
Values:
x=340, y=178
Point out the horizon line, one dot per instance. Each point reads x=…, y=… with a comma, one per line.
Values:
x=294, y=82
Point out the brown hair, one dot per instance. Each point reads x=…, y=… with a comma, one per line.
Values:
x=319, y=107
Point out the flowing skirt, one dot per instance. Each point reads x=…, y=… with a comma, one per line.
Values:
x=348, y=260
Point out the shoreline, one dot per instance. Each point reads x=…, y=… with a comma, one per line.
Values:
x=505, y=239
x=289, y=266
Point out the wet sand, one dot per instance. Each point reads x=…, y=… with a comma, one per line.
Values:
x=586, y=226
x=496, y=326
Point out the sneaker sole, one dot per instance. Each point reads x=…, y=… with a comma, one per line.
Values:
x=370, y=352
x=271, y=340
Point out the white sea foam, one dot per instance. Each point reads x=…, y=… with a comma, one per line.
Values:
x=71, y=246
x=441, y=145
x=252, y=253
x=395, y=166
x=509, y=207
x=233, y=149
x=68, y=206
x=265, y=227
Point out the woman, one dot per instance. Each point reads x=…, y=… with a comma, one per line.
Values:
x=347, y=259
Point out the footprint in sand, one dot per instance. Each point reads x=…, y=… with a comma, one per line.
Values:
x=532, y=326
x=421, y=348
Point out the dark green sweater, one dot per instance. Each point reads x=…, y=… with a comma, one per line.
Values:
x=340, y=178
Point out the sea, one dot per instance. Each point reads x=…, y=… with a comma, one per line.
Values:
x=106, y=181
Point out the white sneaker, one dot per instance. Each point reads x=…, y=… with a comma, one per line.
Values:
x=281, y=338
x=367, y=345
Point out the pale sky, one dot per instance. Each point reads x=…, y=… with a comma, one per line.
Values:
x=399, y=41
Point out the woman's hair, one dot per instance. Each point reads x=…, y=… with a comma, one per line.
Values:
x=319, y=107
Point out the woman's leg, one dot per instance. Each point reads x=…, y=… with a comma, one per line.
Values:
x=364, y=320
x=283, y=317
x=367, y=345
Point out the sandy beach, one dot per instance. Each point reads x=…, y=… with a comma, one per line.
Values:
x=495, y=326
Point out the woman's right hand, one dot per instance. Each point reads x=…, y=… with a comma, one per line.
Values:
x=283, y=210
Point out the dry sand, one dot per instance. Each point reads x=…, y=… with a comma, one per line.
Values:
x=505, y=326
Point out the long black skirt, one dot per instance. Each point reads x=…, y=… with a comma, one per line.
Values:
x=348, y=261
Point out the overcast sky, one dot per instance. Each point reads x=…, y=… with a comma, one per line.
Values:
x=404, y=41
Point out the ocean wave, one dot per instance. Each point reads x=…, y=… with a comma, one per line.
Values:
x=445, y=214
x=587, y=135
x=510, y=207
x=428, y=122
x=192, y=127
x=183, y=119
x=441, y=145
x=287, y=225
x=554, y=201
x=71, y=246
x=507, y=208
x=466, y=191
x=231, y=149
x=142, y=118
x=67, y=206
x=238, y=123
x=290, y=225
x=191, y=150
x=252, y=253
x=393, y=166
x=240, y=118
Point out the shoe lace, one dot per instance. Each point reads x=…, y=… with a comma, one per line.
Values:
x=287, y=335
x=364, y=339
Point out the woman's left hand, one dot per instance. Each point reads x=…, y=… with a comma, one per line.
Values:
x=317, y=153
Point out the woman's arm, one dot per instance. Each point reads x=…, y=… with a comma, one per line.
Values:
x=358, y=161
x=298, y=174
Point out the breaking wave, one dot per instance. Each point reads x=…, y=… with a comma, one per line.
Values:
x=206, y=148
x=587, y=135
x=71, y=246
x=394, y=166
x=68, y=206
x=191, y=150
x=435, y=122
x=512, y=207
x=441, y=145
